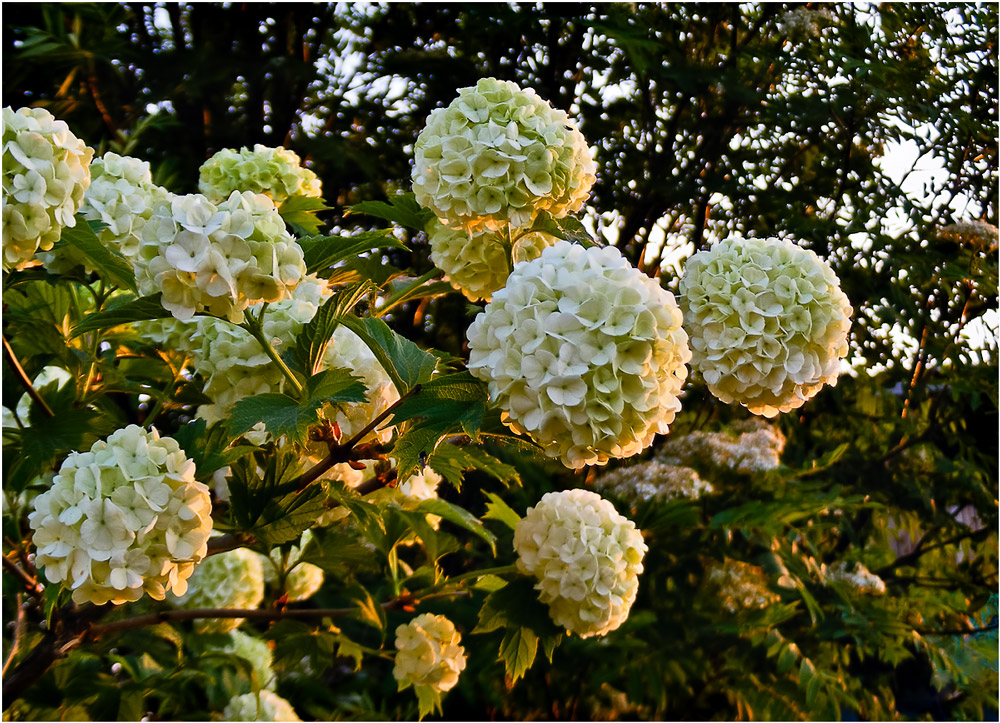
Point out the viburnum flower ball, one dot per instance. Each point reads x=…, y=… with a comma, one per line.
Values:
x=428, y=653
x=497, y=156
x=587, y=559
x=233, y=579
x=768, y=322
x=125, y=518
x=46, y=170
x=582, y=352
x=275, y=172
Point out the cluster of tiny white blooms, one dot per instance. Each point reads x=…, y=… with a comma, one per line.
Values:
x=233, y=579
x=740, y=586
x=264, y=705
x=803, y=23
x=234, y=364
x=429, y=653
x=46, y=170
x=275, y=172
x=302, y=579
x=125, y=518
x=747, y=447
x=121, y=196
x=497, y=156
x=217, y=258
x=768, y=322
x=857, y=576
x=654, y=480
x=476, y=262
x=583, y=352
x=170, y=334
x=978, y=235
x=253, y=650
x=587, y=559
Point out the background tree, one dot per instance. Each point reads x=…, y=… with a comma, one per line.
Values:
x=707, y=120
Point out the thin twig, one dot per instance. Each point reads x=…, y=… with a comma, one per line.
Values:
x=18, y=633
x=25, y=381
x=30, y=584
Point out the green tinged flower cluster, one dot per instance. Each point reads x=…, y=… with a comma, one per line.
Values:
x=301, y=579
x=767, y=320
x=274, y=172
x=263, y=705
x=498, y=156
x=45, y=174
x=233, y=579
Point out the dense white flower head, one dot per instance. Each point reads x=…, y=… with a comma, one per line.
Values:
x=857, y=576
x=253, y=650
x=739, y=585
x=125, y=518
x=582, y=352
x=747, y=446
x=217, y=258
x=275, y=172
x=654, y=480
x=263, y=705
x=497, y=156
x=301, y=579
x=587, y=559
x=429, y=653
x=768, y=322
x=46, y=170
x=478, y=263
x=121, y=196
x=233, y=579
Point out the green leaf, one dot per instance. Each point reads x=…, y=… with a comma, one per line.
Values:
x=459, y=398
x=142, y=309
x=284, y=519
x=314, y=338
x=518, y=650
x=334, y=385
x=401, y=208
x=459, y=516
x=322, y=252
x=109, y=264
x=497, y=509
x=451, y=461
x=299, y=212
x=405, y=362
x=281, y=415
x=258, y=479
x=569, y=228
x=428, y=700
x=208, y=447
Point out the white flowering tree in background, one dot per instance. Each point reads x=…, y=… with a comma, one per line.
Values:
x=578, y=362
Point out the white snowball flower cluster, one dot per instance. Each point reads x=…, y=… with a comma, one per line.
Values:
x=217, y=258
x=302, y=579
x=582, y=352
x=654, y=480
x=45, y=174
x=121, y=196
x=857, y=576
x=171, y=334
x=497, y=156
x=739, y=585
x=125, y=518
x=429, y=653
x=587, y=559
x=748, y=446
x=264, y=705
x=978, y=235
x=253, y=650
x=275, y=172
x=478, y=263
x=233, y=579
x=768, y=322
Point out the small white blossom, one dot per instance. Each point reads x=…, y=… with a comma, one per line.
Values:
x=264, y=705
x=857, y=576
x=739, y=585
x=654, y=480
x=767, y=320
x=746, y=447
x=274, y=172
x=582, y=352
x=586, y=557
x=429, y=653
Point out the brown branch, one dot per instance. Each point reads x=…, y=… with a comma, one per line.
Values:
x=225, y=543
x=18, y=633
x=23, y=377
x=30, y=584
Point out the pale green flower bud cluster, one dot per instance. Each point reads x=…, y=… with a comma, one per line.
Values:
x=857, y=576
x=746, y=447
x=233, y=579
x=255, y=651
x=45, y=174
x=429, y=653
x=768, y=322
x=275, y=172
x=582, y=352
x=478, y=263
x=121, y=196
x=654, y=480
x=217, y=258
x=264, y=705
x=125, y=518
x=587, y=559
x=302, y=579
x=739, y=585
x=497, y=156
x=170, y=334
